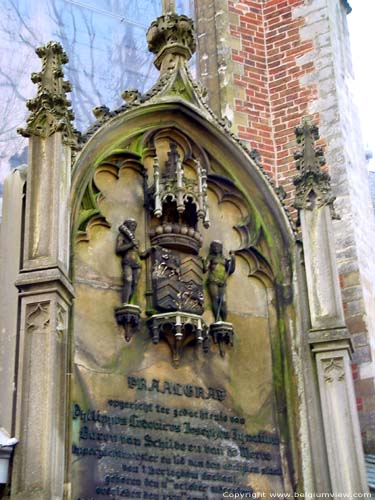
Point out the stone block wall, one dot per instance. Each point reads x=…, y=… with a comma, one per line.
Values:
x=279, y=61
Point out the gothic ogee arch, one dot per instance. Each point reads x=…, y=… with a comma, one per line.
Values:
x=114, y=178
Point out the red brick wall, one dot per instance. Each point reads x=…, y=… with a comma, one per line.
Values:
x=291, y=61
x=250, y=31
x=276, y=101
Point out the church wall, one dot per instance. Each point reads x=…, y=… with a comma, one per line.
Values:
x=355, y=231
x=289, y=60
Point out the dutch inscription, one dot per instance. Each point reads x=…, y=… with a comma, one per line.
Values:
x=162, y=451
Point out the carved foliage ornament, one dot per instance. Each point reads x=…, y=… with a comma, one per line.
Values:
x=38, y=317
x=313, y=186
x=50, y=109
x=171, y=33
x=333, y=370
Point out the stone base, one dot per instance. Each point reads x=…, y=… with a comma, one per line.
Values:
x=222, y=334
x=128, y=316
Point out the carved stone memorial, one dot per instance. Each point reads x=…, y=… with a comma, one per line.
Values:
x=171, y=250
x=164, y=342
x=167, y=415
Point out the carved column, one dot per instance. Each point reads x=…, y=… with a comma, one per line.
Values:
x=44, y=289
x=328, y=336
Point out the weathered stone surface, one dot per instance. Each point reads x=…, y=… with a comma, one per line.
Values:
x=340, y=417
x=197, y=434
x=10, y=253
x=45, y=291
x=323, y=285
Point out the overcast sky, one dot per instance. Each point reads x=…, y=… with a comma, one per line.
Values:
x=362, y=41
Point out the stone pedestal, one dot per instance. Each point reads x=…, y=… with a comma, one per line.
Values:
x=178, y=329
x=39, y=460
x=222, y=334
x=128, y=316
x=340, y=419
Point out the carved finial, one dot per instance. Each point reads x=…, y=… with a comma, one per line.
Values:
x=50, y=109
x=313, y=186
x=309, y=158
x=171, y=35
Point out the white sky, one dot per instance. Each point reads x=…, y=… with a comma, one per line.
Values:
x=362, y=41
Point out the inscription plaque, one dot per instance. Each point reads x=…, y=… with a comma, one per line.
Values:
x=168, y=441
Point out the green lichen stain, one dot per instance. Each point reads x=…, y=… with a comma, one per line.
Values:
x=257, y=371
x=285, y=387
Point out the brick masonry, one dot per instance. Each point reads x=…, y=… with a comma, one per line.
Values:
x=280, y=61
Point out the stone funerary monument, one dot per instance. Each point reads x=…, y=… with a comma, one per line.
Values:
x=179, y=336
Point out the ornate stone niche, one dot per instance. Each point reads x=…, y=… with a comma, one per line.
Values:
x=164, y=160
x=174, y=237
x=178, y=212
x=178, y=326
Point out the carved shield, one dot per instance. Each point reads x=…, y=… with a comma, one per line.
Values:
x=177, y=280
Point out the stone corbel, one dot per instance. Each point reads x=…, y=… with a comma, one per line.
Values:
x=178, y=329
